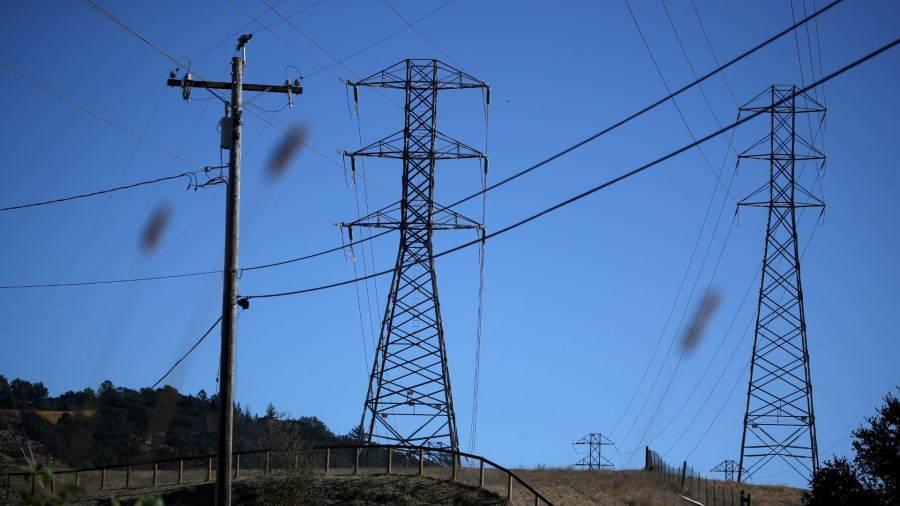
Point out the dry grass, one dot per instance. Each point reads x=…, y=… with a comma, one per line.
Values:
x=638, y=488
x=563, y=487
x=51, y=416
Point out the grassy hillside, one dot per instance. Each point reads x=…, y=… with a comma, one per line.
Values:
x=637, y=488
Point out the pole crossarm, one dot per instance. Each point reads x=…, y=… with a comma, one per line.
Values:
x=287, y=87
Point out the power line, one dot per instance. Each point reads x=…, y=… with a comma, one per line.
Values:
x=243, y=29
x=674, y=102
x=702, y=227
x=300, y=209
x=713, y=52
x=395, y=11
x=602, y=186
x=164, y=376
x=194, y=274
x=189, y=175
x=546, y=161
x=164, y=150
x=198, y=74
x=654, y=105
x=101, y=118
x=382, y=40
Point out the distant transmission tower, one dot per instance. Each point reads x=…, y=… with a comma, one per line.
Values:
x=594, y=458
x=409, y=401
x=728, y=467
x=779, y=422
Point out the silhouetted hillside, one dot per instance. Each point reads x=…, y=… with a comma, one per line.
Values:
x=117, y=425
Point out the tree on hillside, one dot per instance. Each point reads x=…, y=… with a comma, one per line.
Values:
x=874, y=475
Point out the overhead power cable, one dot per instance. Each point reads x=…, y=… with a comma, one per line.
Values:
x=101, y=118
x=193, y=274
x=395, y=11
x=665, y=83
x=543, y=162
x=380, y=41
x=620, y=123
x=110, y=190
x=605, y=185
x=531, y=168
x=164, y=376
x=656, y=104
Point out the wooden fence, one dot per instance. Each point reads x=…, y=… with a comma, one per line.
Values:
x=438, y=463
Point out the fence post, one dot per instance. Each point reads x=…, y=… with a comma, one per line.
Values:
x=155, y=472
x=268, y=470
x=647, y=464
x=481, y=474
x=237, y=466
x=421, y=461
x=180, y=471
x=128, y=476
x=327, y=459
x=453, y=469
x=209, y=469
x=509, y=486
x=356, y=462
x=77, y=479
x=389, y=458
x=53, y=484
x=103, y=479
x=683, y=472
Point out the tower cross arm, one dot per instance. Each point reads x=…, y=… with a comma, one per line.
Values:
x=429, y=73
x=390, y=217
x=392, y=146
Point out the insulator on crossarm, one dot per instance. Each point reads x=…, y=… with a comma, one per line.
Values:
x=187, y=83
x=487, y=97
x=353, y=164
x=485, y=165
x=356, y=94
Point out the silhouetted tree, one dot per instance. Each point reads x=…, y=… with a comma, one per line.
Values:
x=874, y=476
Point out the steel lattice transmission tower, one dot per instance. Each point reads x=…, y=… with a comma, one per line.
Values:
x=727, y=467
x=779, y=422
x=594, y=458
x=409, y=400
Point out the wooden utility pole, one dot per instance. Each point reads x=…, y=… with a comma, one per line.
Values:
x=232, y=235
x=229, y=291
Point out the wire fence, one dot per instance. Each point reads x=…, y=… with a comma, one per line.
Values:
x=687, y=483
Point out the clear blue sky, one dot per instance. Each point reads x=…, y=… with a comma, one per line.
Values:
x=574, y=303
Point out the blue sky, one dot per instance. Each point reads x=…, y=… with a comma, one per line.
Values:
x=575, y=302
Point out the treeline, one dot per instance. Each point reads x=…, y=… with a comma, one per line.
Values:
x=116, y=425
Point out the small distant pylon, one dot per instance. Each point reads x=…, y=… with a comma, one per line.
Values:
x=594, y=458
x=728, y=467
